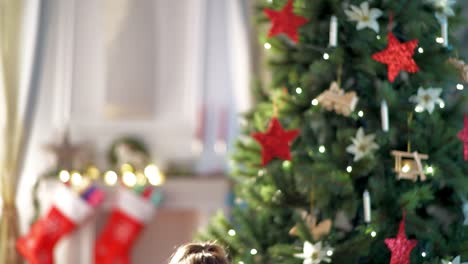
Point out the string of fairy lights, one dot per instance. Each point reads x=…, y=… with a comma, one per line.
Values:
x=127, y=175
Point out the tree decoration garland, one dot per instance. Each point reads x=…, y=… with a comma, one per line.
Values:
x=285, y=21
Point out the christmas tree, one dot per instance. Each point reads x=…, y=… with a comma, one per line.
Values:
x=356, y=150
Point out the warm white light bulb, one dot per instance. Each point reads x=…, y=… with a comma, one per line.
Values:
x=406, y=168
x=377, y=37
x=315, y=102
x=360, y=113
x=322, y=149
x=423, y=254
x=420, y=50
x=253, y=251
x=419, y=109
x=460, y=86
x=154, y=175
x=76, y=179
x=110, y=178
x=440, y=40
x=326, y=56
x=126, y=167
x=129, y=179
x=329, y=253
x=298, y=90
x=64, y=176
x=232, y=232
x=349, y=169
x=441, y=104
x=373, y=234
x=267, y=45
x=430, y=170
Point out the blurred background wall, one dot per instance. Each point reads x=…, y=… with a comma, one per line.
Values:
x=174, y=73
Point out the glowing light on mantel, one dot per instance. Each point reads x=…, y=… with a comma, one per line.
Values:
x=110, y=178
x=129, y=179
x=64, y=176
x=154, y=175
x=76, y=179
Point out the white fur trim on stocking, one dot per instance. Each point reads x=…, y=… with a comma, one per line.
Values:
x=71, y=205
x=134, y=205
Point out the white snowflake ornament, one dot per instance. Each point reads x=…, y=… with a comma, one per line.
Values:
x=426, y=99
x=365, y=17
x=456, y=260
x=443, y=7
x=363, y=145
x=315, y=253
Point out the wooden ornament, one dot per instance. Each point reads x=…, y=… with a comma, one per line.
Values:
x=461, y=67
x=318, y=230
x=342, y=222
x=67, y=154
x=335, y=99
x=408, y=165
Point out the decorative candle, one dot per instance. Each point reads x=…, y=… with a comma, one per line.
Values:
x=444, y=29
x=384, y=115
x=333, y=37
x=367, y=206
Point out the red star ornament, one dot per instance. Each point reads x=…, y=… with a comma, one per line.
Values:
x=463, y=136
x=275, y=141
x=285, y=21
x=400, y=246
x=398, y=56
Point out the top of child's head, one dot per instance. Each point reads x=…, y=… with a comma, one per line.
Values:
x=200, y=253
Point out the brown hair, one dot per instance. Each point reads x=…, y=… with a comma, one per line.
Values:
x=199, y=253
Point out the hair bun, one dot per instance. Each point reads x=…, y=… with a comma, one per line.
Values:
x=200, y=253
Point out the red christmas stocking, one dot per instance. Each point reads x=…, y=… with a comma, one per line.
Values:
x=64, y=216
x=123, y=227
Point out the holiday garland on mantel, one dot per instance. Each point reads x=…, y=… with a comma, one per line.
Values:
x=374, y=88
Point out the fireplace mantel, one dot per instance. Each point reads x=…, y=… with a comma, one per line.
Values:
x=189, y=203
